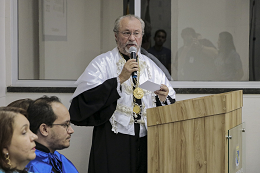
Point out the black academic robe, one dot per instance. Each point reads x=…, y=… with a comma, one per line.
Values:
x=110, y=152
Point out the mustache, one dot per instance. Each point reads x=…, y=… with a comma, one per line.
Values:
x=132, y=43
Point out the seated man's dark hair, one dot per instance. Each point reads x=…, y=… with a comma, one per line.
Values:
x=40, y=111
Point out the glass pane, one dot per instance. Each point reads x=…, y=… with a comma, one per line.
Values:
x=28, y=39
x=58, y=39
x=208, y=39
x=157, y=36
x=236, y=149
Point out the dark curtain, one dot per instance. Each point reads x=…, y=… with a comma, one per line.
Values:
x=146, y=43
x=128, y=7
x=254, y=41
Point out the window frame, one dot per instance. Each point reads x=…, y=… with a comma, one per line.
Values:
x=15, y=82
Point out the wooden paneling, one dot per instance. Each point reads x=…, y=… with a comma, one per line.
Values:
x=190, y=136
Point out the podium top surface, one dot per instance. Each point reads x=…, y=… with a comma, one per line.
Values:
x=195, y=108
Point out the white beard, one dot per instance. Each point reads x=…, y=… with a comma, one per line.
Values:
x=127, y=50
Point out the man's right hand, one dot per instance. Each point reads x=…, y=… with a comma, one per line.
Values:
x=130, y=66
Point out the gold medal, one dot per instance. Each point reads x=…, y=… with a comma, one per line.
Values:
x=136, y=109
x=138, y=93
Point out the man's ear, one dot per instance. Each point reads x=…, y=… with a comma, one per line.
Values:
x=44, y=130
x=116, y=37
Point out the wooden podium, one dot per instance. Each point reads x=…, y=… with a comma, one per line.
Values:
x=190, y=135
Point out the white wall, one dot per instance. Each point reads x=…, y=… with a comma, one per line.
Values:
x=2, y=53
x=251, y=112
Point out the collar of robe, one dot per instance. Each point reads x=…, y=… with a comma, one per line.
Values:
x=53, y=159
x=55, y=162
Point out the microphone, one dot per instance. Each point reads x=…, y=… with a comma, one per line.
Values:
x=133, y=56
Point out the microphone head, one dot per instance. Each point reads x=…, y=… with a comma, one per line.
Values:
x=132, y=49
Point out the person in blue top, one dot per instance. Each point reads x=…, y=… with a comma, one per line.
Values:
x=50, y=120
x=17, y=142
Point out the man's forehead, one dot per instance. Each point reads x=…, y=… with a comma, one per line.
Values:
x=128, y=23
x=59, y=109
x=56, y=105
x=160, y=34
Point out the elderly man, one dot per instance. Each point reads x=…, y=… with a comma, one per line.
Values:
x=50, y=120
x=109, y=98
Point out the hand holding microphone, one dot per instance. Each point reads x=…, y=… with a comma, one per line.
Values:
x=130, y=67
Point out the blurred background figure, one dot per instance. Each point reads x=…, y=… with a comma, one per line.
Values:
x=157, y=62
x=16, y=140
x=146, y=44
x=228, y=62
x=163, y=54
x=195, y=59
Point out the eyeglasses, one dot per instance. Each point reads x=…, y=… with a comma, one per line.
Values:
x=65, y=125
x=128, y=34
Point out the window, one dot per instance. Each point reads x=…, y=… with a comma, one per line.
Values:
x=205, y=38
x=58, y=38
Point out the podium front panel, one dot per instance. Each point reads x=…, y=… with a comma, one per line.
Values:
x=196, y=144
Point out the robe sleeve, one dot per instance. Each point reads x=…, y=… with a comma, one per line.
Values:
x=95, y=107
x=169, y=101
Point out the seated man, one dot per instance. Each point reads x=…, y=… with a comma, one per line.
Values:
x=50, y=120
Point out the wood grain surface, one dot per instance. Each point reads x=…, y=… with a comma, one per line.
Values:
x=190, y=135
